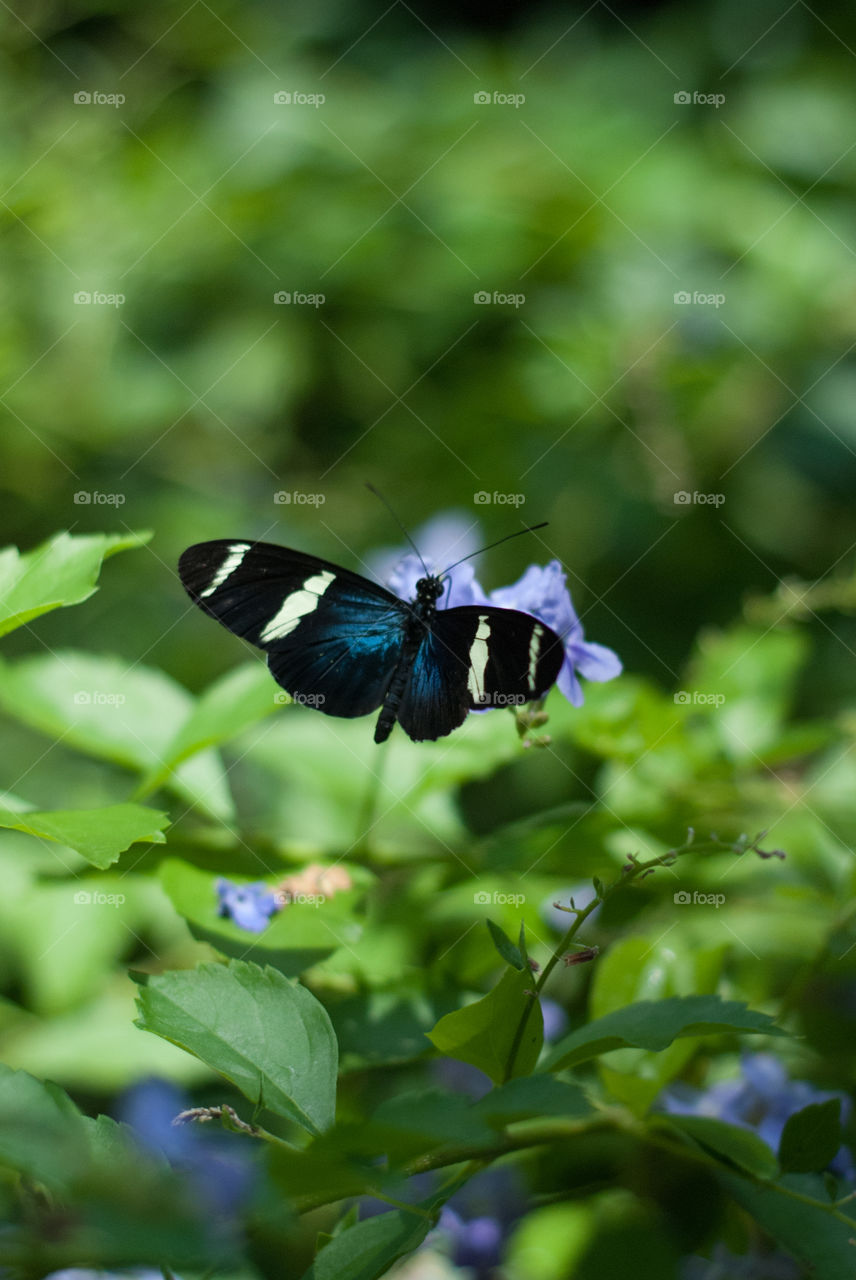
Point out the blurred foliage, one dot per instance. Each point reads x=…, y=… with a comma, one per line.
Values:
x=192, y=404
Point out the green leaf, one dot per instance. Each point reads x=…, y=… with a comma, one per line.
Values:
x=482, y=1033
x=654, y=1024
x=741, y=1146
x=62, y=571
x=530, y=1096
x=41, y=1130
x=230, y=705
x=808, y=1231
x=510, y=953
x=113, y=710
x=369, y=1249
x=419, y=1120
x=811, y=1137
x=99, y=835
x=268, y=1035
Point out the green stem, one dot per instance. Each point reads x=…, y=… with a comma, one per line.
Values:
x=630, y=871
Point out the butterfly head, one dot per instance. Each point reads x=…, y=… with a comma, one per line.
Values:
x=428, y=590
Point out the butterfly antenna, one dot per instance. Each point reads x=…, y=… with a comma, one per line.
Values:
x=377, y=493
x=530, y=528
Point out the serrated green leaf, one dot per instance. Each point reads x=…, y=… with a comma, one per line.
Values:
x=810, y=1232
x=41, y=1131
x=268, y=1035
x=811, y=1137
x=62, y=571
x=483, y=1033
x=654, y=1024
x=99, y=835
x=510, y=953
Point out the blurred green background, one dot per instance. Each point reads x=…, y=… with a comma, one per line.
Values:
x=398, y=198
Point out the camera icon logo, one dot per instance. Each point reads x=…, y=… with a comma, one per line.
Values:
x=482, y=898
x=683, y=897
x=82, y=698
x=82, y=97
x=682, y=98
x=682, y=698
x=282, y=298
x=481, y=497
x=482, y=297
x=282, y=498
x=82, y=898
x=481, y=98
x=282, y=98
x=683, y=498
x=82, y=298
x=683, y=299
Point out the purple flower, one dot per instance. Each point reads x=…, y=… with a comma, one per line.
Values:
x=763, y=1100
x=442, y=540
x=476, y=1223
x=250, y=906
x=543, y=592
x=555, y=1020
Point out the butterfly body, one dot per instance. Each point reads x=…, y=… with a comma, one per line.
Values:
x=347, y=646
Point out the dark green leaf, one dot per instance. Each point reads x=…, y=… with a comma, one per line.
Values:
x=531, y=1096
x=810, y=1232
x=369, y=1249
x=811, y=1138
x=268, y=1035
x=510, y=953
x=654, y=1024
x=741, y=1146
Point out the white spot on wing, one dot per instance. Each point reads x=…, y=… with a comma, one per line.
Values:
x=237, y=551
x=295, y=607
x=478, y=657
x=534, y=650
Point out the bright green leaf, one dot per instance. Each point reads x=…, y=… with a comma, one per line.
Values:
x=369, y=1249
x=483, y=1033
x=62, y=571
x=530, y=1096
x=99, y=835
x=510, y=953
x=268, y=1035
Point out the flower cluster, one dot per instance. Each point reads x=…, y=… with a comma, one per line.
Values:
x=542, y=591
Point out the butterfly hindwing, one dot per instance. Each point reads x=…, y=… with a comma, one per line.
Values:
x=333, y=639
x=477, y=657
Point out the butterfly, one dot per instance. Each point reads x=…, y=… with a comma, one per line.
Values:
x=343, y=644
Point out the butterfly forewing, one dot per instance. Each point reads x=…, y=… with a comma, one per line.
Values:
x=333, y=639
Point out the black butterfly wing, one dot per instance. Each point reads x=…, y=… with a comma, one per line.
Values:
x=333, y=638
x=477, y=657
